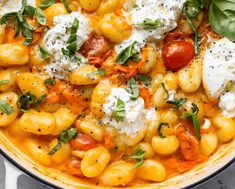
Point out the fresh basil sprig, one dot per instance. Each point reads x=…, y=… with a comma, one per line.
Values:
x=191, y=9
x=132, y=87
x=40, y=15
x=49, y=81
x=101, y=72
x=28, y=99
x=145, y=79
x=128, y=53
x=166, y=91
x=159, y=129
x=43, y=52
x=46, y=3
x=192, y=116
x=72, y=42
x=6, y=108
x=119, y=112
x=177, y=102
x=64, y=137
x=138, y=155
x=222, y=16
x=149, y=23
x=66, y=6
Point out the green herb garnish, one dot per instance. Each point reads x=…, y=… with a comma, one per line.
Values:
x=159, y=129
x=128, y=53
x=4, y=82
x=119, y=112
x=46, y=3
x=149, y=23
x=49, y=81
x=6, y=108
x=132, y=87
x=40, y=15
x=144, y=78
x=64, y=137
x=177, y=102
x=166, y=91
x=66, y=6
x=192, y=117
x=101, y=72
x=43, y=52
x=138, y=155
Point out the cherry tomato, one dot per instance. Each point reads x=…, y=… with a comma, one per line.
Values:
x=74, y=167
x=177, y=54
x=83, y=142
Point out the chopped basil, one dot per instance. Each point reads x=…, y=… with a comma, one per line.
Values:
x=159, y=129
x=101, y=72
x=64, y=137
x=148, y=23
x=192, y=116
x=43, y=52
x=119, y=113
x=72, y=42
x=177, y=102
x=4, y=82
x=132, y=87
x=128, y=53
x=49, y=81
x=46, y=3
x=28, y=99
x=164, y=88
x=138, y=155
x=29, y=10
x=66, y=6
x=144, y=78
x=40, y=15
x=40, y=100
x=191, y=9
x=24, y=2
x=6, y=108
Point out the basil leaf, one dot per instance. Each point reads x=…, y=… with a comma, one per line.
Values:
x=128, y=53
x=148, y=23
x=24, y=2
x=67, y=135
x=4, y=82
x=138, y=155
x=66, y=6
x=6, y=17
x=192, y=116
x=166, y=91
x=6, y=108
x=41, y=17
x=72, y=47
x=119, y=113
x=144, y=78
x=46, y=3
x=29, y=10
x=25, y=100
x=132, y=87
x=49, y=81
x=222, y=18
x=159, y=129
x=43, y=52
x=101, y=72
x=40, y=100
x=177, y=102
x=55, y=149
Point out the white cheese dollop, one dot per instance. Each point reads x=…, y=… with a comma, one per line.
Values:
x=7, y=6
x=166, y=11
x=56, y=38
x=137, y=117
x=218, y=72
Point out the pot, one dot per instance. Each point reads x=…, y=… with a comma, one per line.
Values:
x=222, y=158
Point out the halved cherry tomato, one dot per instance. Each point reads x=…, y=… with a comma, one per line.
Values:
x=177, y=54
x=73, y=166
x=83, y=142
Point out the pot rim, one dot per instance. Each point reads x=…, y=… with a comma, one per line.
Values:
x=49, y=184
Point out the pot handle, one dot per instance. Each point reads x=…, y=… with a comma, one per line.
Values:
x=12, y=174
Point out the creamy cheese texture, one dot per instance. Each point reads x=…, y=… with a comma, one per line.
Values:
x=56, y=38
x=137, y=117
x=7, y=6
x=219, y=72
x=166, y=12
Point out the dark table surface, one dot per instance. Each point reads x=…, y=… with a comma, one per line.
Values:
x=224, y=180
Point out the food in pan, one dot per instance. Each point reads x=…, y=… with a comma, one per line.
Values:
x=118, y=92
